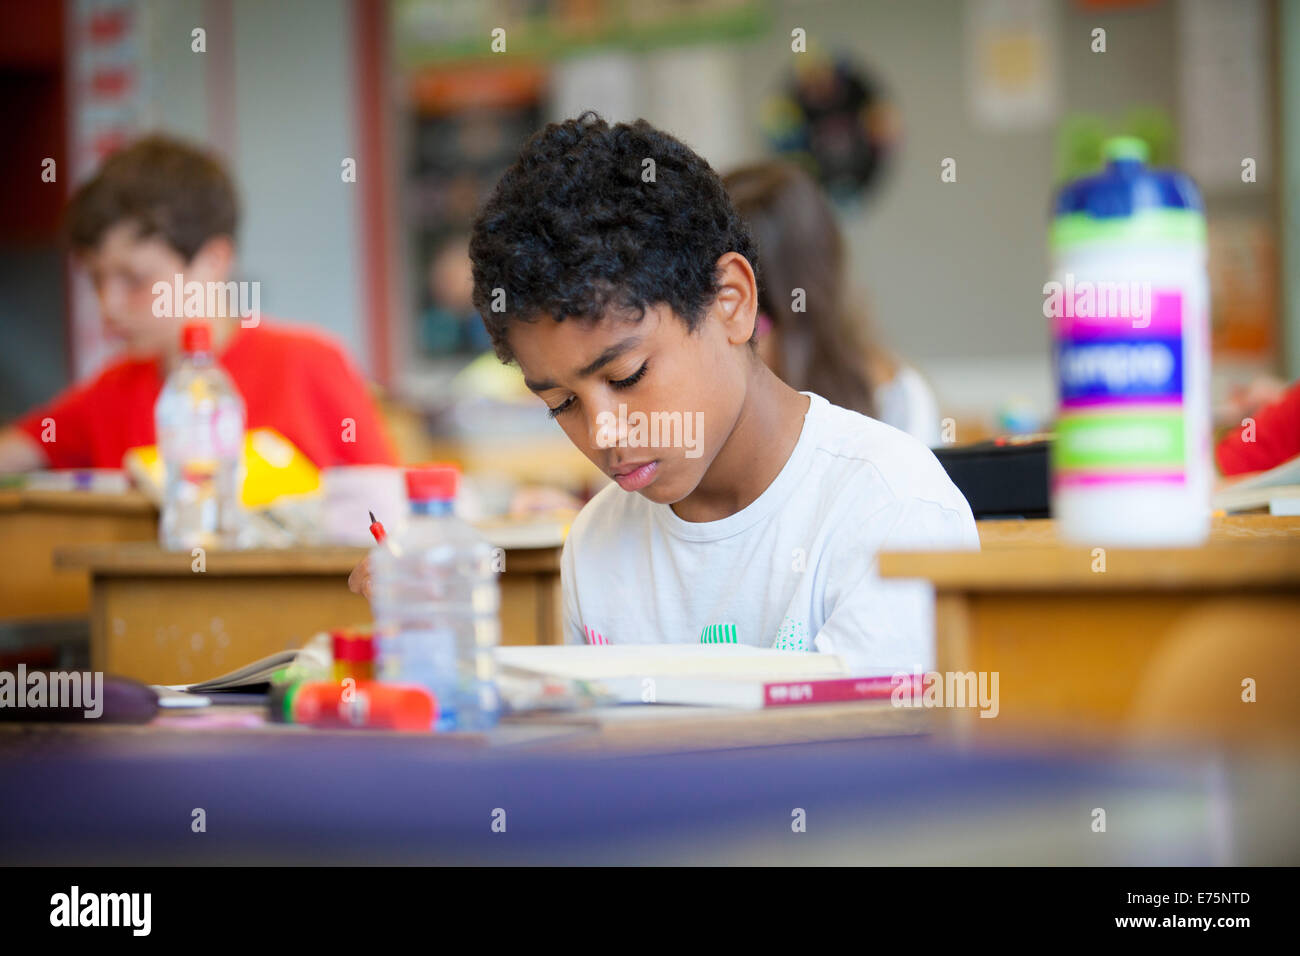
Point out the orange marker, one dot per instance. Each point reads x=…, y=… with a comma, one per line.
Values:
x=354, y=704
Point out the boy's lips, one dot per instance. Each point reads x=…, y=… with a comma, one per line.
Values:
x=634, y=476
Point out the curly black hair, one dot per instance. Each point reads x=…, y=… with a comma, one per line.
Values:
x=573, y=231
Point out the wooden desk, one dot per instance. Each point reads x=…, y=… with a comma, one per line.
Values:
x=1127, y=642
x=1036, y=532
x=35, y=524
x=154, y=618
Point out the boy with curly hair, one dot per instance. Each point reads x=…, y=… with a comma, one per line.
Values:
x=611, y=266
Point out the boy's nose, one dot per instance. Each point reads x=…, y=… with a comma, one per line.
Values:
x=605, y=427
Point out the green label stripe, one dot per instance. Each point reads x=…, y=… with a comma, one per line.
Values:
x=718, y=634
x=1152, y=440
x=1151, y=225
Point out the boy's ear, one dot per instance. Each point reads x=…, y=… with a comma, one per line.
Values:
x=215, y=258
x=737, y=299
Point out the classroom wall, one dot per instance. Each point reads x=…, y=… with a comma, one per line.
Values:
x=33, y=339
x=177, y=76
x=294, y=114
x=1289, y=49
x=284, y=125
x=32, y=332
x=953, y=272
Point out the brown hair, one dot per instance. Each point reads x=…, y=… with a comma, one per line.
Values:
x=166, y=187
x=825, y=348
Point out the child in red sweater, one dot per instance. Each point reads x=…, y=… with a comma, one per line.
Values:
x=1269, y=438
x=155, y=211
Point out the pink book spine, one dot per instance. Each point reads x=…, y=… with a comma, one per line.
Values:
x=833, y=691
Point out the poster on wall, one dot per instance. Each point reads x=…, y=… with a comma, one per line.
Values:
x=106, y=104
x=426, y=32
x=1012, y=62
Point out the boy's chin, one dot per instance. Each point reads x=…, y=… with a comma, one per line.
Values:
x=657, y=496
x=667, y=490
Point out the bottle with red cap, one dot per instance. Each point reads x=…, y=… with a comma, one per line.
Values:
x=435, y=601
x=199, y=419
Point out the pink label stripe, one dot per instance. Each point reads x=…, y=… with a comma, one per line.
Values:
x=594, y=636
x=1165, y=321
x=1077, y=479
x=1161, y=402
x=1126, y=411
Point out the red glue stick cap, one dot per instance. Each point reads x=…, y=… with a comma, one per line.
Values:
x=352, y=646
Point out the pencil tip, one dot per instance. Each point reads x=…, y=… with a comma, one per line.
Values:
x=372, y=516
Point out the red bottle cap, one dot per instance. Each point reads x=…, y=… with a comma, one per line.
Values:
x=349, y=646
x=196, y=337
x=432, y=483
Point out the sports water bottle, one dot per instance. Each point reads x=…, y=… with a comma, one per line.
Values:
x=1128, y=302
x=199, y=419
x=435, y=601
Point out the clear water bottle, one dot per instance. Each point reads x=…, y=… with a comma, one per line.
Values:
x=435, y=601
x=199, y=420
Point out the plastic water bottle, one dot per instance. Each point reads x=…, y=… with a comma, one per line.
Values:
x=1129, y=307
x=199, y=419
x=435, y=600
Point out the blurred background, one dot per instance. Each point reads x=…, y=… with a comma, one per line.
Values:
x=872, y=96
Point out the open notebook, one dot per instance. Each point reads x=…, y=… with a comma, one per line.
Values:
x=248, y=684
x=255, y=678
x=1277, y=489
x=251, y=678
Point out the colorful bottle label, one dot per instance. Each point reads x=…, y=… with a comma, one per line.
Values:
x=1122, y=380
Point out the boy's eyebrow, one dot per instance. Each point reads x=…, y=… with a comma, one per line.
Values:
x=603, y=359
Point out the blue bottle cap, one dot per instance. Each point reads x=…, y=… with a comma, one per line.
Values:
x=1128, y=201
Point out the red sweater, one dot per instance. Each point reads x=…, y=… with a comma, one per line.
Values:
x=292, y=379
x=1276, y=438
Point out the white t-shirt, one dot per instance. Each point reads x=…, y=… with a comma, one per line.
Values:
x=795, y=569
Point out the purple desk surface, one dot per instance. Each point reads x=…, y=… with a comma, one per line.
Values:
x=130, y=797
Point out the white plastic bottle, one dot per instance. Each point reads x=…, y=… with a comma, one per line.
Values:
x=435, y=602
x=199, y=419
x=1129, y=308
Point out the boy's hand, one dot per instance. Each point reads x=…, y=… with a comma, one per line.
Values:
x=359, y=579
